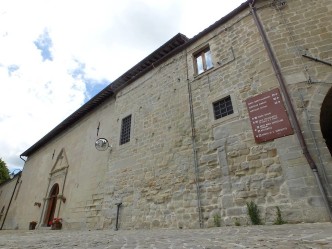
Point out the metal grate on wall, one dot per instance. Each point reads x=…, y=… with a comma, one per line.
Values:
x=223, y=107
x=125, y=130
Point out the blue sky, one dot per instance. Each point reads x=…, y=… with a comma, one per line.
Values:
x=56, y=55
x=12, y=69
x=93, y=86
x=44, y=44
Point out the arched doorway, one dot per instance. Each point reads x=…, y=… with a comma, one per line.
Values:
x=326, y=119
x=52, y=199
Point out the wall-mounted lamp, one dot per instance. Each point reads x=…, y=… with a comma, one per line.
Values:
x=62, y=198
x=102, y=144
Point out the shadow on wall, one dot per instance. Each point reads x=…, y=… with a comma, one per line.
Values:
x=326, y=119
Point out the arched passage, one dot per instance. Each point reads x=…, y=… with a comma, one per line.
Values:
x=52, y=199
x=326, y=119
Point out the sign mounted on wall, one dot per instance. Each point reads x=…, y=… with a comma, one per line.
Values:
x=268, y=116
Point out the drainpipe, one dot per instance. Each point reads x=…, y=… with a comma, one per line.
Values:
x=289, y=105
x=11, y=198
x=192, y=123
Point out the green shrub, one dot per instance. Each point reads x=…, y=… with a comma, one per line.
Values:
x=279, y=220
x=217, y=220
x=254, y=213
x=237, y=222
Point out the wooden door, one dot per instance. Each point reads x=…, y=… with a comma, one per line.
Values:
x=52, y=200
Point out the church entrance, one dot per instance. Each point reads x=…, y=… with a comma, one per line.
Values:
x=326, y=120
x=52, y=200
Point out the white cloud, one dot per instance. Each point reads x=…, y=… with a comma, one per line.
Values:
x=106, y=36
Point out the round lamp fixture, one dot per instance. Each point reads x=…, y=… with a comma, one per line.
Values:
x=102, y=144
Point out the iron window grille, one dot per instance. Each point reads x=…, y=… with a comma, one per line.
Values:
x=125, y=130
x=223, y=107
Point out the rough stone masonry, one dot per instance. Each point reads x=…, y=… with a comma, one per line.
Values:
x=183, y=167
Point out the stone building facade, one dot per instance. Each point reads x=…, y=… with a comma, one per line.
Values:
x=183, y=148
x=8, y=195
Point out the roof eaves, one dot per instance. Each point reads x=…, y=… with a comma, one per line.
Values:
x=180, y=48
x=180, y=42
x=106, y=93
x=73, y=118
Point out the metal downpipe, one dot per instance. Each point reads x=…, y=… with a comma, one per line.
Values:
x=192, y=122
x=289, y=105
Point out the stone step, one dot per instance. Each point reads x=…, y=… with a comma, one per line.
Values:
x=43, y=228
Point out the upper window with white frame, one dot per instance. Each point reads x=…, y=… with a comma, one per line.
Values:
x=223, y=107
x=203, y=60
x=125, y=130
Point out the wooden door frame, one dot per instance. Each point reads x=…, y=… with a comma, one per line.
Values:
x=51, y=204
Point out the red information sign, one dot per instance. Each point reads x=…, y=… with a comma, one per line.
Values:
x=268, y=117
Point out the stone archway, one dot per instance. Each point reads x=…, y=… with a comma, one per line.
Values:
x=57, y=179
x=51, y=205
x=326, y=119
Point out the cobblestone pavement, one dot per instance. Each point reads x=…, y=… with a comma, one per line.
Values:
x=317, y=235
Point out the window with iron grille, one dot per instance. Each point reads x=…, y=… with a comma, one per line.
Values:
x=223, y=107
x=125, y=130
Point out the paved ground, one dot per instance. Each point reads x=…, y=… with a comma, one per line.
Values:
x=318, y=235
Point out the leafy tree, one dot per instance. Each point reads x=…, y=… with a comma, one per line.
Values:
x=4, y=172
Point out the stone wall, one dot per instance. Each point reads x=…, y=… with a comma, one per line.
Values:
x=71, y=161
x=152, y=175
x=233, y=168
x=8, y=194
x=182, y=167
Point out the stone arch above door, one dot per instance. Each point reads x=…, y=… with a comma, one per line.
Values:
x=61, y=162
x=57, y=177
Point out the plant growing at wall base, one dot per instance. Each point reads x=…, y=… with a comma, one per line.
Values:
x=56, y=224
x=32, y=225
x=254, y=213
x=217, y=220
x=279, y=220
x=237, y=222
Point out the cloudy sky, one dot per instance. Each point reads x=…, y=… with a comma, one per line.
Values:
x=56, y=55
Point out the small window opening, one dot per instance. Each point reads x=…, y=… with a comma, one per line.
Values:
x=203, y=61
x=125, y=130
x=223, y=107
